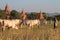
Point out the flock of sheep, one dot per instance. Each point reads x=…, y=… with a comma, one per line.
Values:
x=16, y=23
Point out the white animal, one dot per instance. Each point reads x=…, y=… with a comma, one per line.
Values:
x=11, y=23
x=1, y=20
x=32, y=22
x=45, y=22
x=56, y=22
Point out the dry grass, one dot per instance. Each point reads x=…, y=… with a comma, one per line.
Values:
x=45, y=32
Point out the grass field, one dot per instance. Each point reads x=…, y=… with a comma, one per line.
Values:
x=43, y=32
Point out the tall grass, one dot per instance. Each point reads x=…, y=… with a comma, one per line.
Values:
x=43, y=32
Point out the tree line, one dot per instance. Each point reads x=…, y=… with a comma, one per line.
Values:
x=33, y=15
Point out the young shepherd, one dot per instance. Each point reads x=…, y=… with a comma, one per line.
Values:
x=55, y=22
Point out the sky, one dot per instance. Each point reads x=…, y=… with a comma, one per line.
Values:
x=49, y=6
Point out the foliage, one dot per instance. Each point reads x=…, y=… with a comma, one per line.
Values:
x=33, y=15
x=2, y=14
x=58, y=17
x=14, y=14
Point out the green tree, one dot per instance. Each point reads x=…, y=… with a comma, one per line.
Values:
x=15, y=14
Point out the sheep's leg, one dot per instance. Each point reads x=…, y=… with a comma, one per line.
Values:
x=3, y=28
x=16, y=27
x=30, y=26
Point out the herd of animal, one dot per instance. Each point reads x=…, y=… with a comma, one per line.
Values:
x=16, y=23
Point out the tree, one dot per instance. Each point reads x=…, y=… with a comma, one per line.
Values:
x=2, y=14
x=15, y=14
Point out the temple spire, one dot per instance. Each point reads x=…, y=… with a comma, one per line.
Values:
x=41, y=16
x=7, y=10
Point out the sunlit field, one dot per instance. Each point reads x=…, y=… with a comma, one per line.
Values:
x=42, y=32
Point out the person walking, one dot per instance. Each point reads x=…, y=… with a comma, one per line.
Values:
x=23, y=16
x=55, y=22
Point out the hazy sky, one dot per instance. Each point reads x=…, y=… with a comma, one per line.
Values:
x=32, y=5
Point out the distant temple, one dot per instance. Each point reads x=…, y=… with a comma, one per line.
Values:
x=41, y=16
x=7, y=10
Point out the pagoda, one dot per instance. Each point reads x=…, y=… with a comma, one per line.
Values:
x=7, y=10
x=41, y=16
